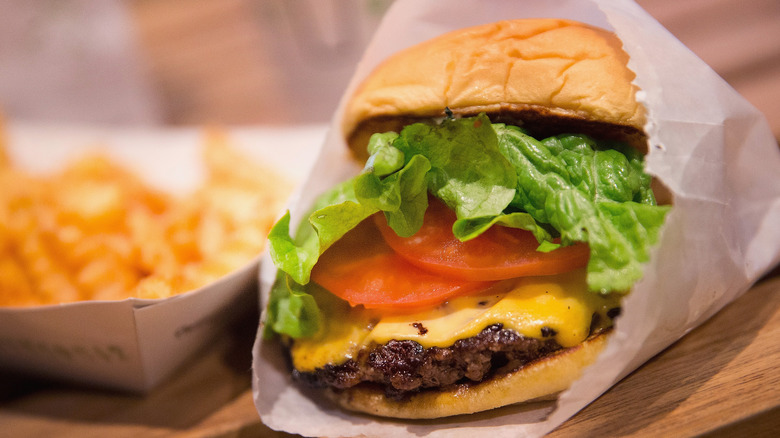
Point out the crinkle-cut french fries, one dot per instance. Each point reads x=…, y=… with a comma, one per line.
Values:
x=95, y=231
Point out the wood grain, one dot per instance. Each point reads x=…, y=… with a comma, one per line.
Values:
x=720, y=377
x=210, y=397
x=724, y=372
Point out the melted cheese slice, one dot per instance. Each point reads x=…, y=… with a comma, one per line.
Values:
x=553, y=307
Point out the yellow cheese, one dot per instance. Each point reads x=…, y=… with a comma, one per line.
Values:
x=552, y=307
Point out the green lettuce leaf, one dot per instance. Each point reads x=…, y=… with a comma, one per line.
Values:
x=384, y=158
x=569, y=187
x=402, y=196
x=618, y=253
x=466, y=229
x=468, y=171
x=291, y=310
x=336, y=212
x=589, y=192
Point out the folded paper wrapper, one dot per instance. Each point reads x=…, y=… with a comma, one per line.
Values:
x=134, y=344
x=712, y=149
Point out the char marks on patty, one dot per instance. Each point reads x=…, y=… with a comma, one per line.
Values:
x=405, y=367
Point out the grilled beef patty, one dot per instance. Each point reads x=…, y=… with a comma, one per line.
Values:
x=405, y=367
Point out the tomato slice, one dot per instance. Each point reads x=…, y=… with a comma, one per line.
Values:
x=497, y=254
x=362, y=269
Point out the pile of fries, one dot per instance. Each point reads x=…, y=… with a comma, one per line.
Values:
x=95, y=231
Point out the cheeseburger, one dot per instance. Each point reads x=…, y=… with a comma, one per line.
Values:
x=479, y=258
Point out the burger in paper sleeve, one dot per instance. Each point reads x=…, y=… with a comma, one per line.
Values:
x=480, y=257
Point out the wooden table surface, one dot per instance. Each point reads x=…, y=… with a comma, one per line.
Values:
x=209, y=63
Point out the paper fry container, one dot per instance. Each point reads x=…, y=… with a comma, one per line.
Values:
x=135, y=344
x=713, y=151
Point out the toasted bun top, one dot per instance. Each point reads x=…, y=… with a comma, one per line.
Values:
x=553, y=75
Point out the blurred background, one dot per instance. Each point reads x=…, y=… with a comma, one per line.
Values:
x=180, y=62
x=243, y=62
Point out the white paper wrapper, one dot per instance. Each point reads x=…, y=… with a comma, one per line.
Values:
x=714, y=151
x=135, y=344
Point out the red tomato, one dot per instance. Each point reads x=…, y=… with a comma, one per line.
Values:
x=362, y=269
x=497, y=254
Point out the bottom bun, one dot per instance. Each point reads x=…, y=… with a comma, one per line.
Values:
x=539, y=380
